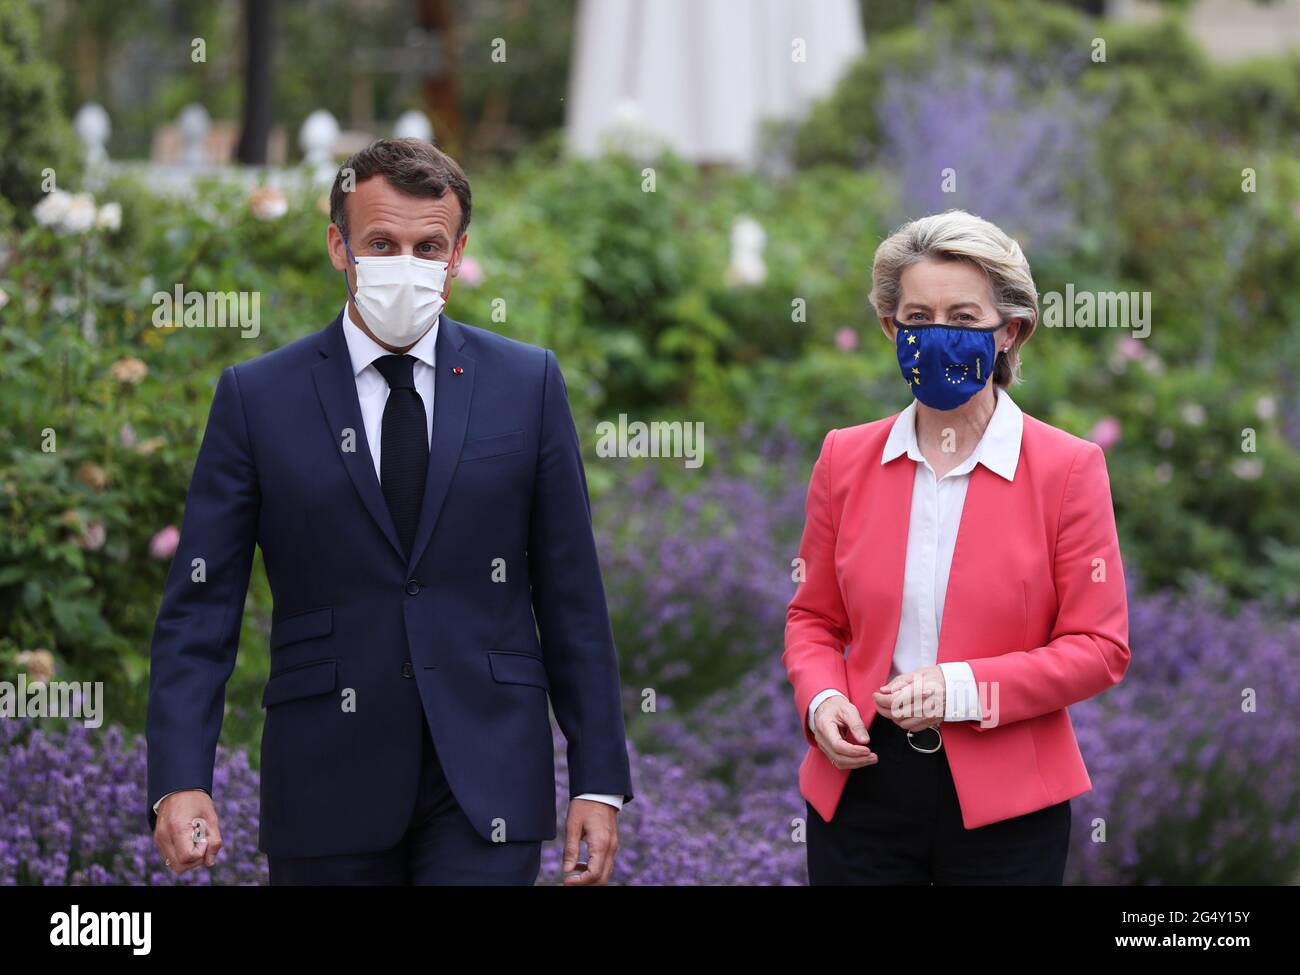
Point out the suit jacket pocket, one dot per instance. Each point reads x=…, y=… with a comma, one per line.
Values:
x=514, y=667
x=302, y=626
x=301, y=680
x=502, y=443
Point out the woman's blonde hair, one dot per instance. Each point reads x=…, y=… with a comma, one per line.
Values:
x=956, y=235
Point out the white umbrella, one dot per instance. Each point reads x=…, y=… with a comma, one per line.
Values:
x=700, y=75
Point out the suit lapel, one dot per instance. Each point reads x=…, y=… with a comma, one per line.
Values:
x=453, y=388
x=337, y=388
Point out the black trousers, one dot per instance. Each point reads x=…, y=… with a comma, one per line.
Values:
x=440, y=846
x=899, y=822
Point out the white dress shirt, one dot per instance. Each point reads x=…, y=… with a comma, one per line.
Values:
x=372, y=387
x=372, y=393
x=931, y=537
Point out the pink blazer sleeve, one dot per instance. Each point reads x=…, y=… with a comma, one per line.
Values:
x=816, y=624
x=1088, y=651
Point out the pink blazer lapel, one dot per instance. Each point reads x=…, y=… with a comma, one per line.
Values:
x=879, y=542
x=984, y=606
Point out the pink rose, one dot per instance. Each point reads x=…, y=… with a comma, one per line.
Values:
x=471, y=272
x=846, y=340
x=1131, y=348
x=1105, y=434
x=92, y=537
x=163, y=545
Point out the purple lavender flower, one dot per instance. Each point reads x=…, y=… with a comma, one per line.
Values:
x=1014, y=160
x=1195, y=755
x=72, y=811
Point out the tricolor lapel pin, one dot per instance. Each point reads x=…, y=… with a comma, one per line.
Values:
x=456, y=370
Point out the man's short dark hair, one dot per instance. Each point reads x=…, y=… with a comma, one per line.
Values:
x=410, y=165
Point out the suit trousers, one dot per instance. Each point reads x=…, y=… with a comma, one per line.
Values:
x=440, y=846
x=899, y=822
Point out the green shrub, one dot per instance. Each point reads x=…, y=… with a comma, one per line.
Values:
x=34, y=135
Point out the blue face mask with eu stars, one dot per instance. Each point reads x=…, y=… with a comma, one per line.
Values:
x=945, y=365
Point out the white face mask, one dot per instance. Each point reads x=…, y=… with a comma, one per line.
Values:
x=400, y=296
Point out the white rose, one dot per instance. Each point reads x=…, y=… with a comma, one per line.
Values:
x=109, y=216
x=268, y=203
x=51, y=210
x=80, y=215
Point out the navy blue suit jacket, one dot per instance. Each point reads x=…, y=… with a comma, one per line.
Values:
x=367, y=643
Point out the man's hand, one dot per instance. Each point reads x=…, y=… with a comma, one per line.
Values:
x=914, y=701
x=841, y=733
x=597, y=823
x=176, y=831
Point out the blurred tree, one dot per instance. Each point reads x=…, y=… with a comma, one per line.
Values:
x=440, y=86
x=35, y=138
x=504, y=87
x=259, y=81
x=513, y=70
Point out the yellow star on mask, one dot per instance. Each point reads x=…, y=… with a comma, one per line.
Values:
x=916, y=354
x=911, y=340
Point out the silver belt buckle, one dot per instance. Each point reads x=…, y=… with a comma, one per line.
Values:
x=926, y=734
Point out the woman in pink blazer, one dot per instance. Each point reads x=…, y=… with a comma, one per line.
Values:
x=961, y=586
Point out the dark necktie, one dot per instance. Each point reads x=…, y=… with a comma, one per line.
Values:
x=403, y=446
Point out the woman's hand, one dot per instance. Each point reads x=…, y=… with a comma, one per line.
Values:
x=841, y=735
x=913, y=701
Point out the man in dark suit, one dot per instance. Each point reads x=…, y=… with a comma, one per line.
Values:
x=417, y=489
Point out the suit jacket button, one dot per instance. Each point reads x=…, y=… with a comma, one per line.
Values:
x=407, y=669
x=412, y=588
